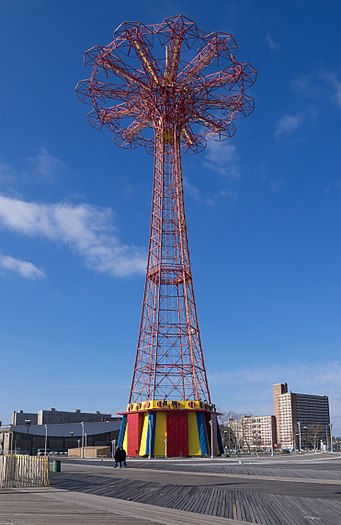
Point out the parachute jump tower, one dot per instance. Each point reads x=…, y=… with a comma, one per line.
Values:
x=168, y=87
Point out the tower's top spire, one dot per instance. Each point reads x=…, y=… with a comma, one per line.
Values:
x=165, y=76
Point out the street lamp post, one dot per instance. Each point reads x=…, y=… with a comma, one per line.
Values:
x=225, y=442
x=331, y=437
x=299, y=437
x=113, y=448
x=82, y=453
x=166, y=441
x=150, y=439
x=211, y=425
x=45, y=450
x=27, y=423
x=271, y=437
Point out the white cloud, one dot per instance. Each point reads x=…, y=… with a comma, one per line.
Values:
x=23, y=268
x=86, y=229
x=271, y=43
x=289, y=123
x=222, y=158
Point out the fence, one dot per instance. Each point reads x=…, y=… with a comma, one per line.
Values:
x=23, y=471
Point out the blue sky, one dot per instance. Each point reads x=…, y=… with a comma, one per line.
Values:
x=263, y=212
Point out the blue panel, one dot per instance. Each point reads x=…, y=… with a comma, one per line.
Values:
x=220, y=443
x=202, y=434
x=151, y=433
x=122, y=431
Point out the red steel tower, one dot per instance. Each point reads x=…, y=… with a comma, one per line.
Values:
x=189, y=89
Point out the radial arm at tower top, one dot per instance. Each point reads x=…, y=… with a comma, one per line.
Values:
x=134, y=94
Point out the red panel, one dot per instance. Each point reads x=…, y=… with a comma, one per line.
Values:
x=177, y=434
x=134, y=431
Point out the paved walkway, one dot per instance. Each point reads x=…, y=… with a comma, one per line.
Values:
x=50, y=506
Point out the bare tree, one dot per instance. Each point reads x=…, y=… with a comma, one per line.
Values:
x=314, y=432
x=232, y=427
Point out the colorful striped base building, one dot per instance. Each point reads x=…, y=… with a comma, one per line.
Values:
x=162, y=428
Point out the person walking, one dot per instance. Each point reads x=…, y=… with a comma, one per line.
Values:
x=118, y=457
x=123, y=457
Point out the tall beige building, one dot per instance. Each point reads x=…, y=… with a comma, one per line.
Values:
x=278, y=390
x=302, y=420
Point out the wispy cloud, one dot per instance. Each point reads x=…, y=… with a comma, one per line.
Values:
x=317, y=85
x=271, y=43
x=23, y=268
x=317, y=376
x=212, y=200
x=335, y=86
x=221, y=195
x=86, y=229
x=288, y=124
x=250, y=389
x=191, y=190
x=7, y=175
x=45, y=165
x=277, y=184
x=222, y=158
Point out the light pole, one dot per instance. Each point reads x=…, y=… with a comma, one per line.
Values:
x=150, y=438
x=225, y=442
x=331, y=437
x=166, y=441
x=271, y=437
x=299, y=437
x=27, y=423
x=82, y=454
x=113, y=448
x=211, y=425
x=45, y=451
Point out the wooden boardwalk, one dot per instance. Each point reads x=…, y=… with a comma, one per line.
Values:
x=48, y=506
x=238, y=495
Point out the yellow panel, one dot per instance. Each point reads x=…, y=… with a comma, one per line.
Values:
x=193, y=435
x=158, y=404
x=143, y=440
x=160, y=434
x=125, y=439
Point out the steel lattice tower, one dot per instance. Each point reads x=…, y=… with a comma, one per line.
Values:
x=190, y=89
